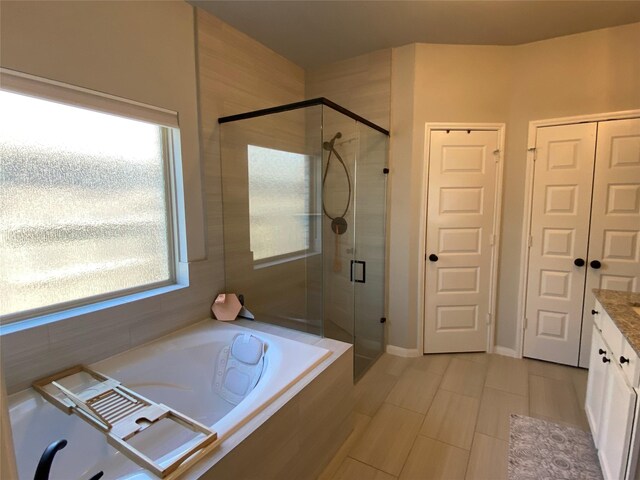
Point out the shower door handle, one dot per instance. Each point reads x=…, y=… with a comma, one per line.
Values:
x=364, y=271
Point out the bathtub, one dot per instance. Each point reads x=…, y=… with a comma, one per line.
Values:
x=176, y=370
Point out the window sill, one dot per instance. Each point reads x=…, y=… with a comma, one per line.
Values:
x=46, y=319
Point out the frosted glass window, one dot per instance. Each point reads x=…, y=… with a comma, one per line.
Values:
x=279, y=202
x=84, y=212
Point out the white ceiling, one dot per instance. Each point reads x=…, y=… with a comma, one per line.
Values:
x=317, y=32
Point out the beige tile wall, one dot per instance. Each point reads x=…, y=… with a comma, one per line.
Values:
x=361, y=84
x=235, y=74
x=242, y=77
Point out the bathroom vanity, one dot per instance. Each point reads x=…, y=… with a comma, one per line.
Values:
x=613, y=388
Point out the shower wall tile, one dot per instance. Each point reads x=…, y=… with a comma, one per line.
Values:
x=236, y=74
x=361, y=84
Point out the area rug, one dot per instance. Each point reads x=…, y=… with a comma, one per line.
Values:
x=544, y=450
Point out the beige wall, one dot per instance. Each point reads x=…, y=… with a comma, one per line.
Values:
x=401, y=156
x=137, y=50
x=592, y=72
x=586, y=73
x=144, y=51
x=431, y=83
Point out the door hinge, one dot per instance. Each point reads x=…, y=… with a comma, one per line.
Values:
x=496, y=154
x=488, y=319
x=526, y=323
x=533, y=151
x=530, y=241
x=492, y=241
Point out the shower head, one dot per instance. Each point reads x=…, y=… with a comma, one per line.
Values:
x=328, y=146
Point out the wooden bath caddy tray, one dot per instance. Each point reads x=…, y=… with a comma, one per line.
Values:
x=120, y=414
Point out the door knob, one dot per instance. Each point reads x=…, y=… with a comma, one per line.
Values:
x=605, y=360
x=579, y=262
x=433, y=257
x=595, y=264
x=601, y=351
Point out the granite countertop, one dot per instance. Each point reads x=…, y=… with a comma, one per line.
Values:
x=619, y=305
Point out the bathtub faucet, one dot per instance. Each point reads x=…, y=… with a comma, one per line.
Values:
x=44, y=465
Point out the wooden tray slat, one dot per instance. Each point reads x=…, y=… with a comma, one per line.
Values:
x=115, y=410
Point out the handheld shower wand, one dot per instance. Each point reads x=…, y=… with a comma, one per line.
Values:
x=338, y=223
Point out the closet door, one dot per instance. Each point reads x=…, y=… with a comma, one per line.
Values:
x=460, y=227
x=614, y=240
x=561, y=209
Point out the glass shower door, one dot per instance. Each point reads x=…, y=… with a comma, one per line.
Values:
x=369, y=253
x=339, y=150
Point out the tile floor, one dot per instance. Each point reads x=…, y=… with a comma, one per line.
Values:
x=447, y=416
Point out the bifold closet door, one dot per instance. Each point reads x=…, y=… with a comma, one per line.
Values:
x=561, y=209
x=614, y=239
x=460, y=226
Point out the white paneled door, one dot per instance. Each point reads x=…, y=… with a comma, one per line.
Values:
x=585, y=232
x=460, y=237
x=561, y=208
x=614, y=239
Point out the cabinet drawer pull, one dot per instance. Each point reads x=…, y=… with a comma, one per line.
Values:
x=623, y=360
x=602, y=352
x=605, y=360
x=594, y=312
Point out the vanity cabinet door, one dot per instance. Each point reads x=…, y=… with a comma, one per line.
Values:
x=616, y=423
x=596, y=382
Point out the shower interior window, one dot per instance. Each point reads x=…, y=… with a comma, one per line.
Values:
x=86, y=202
x=281, y=202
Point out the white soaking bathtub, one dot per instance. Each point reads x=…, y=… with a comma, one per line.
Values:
x=176, y=370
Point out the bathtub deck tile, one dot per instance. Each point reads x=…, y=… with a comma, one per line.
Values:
x=317, y=448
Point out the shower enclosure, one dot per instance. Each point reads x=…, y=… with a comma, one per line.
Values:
x=304, y=201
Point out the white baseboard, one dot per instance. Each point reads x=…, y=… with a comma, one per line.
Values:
x=507, y=352
x=403, y=352
x=414, y=352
